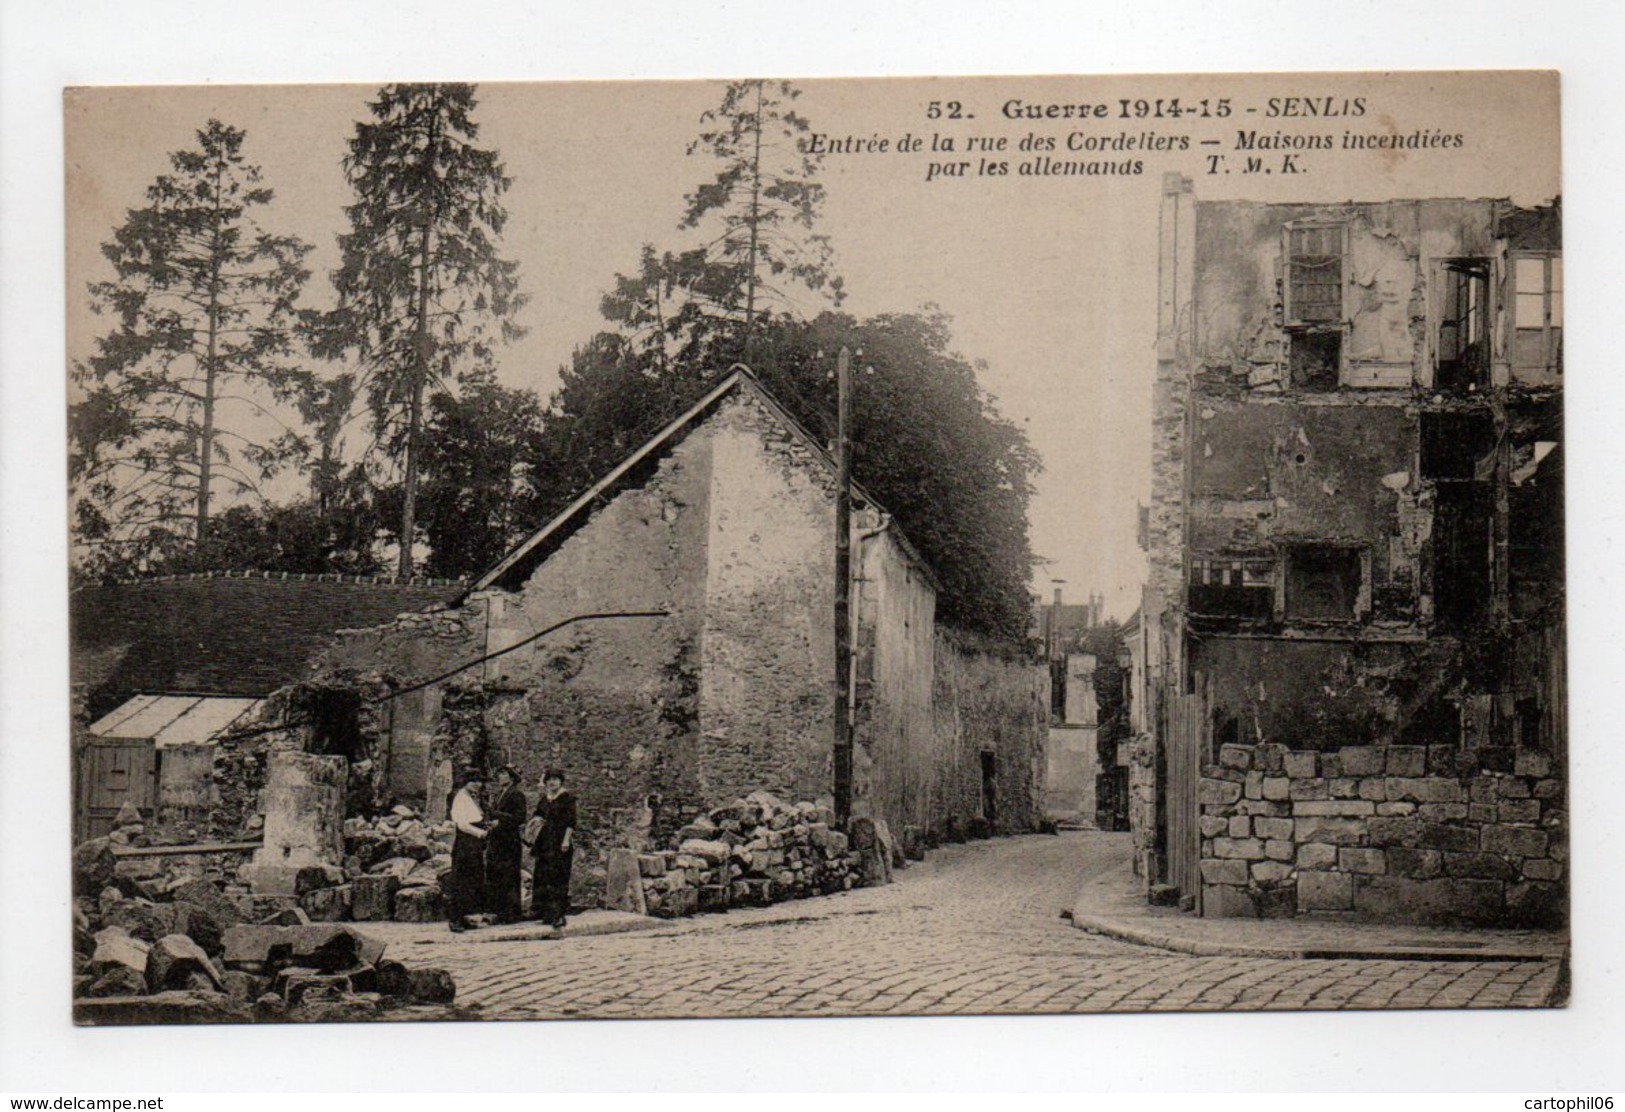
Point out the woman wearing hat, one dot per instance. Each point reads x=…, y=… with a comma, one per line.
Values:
x=503, y=847
x=554, y=827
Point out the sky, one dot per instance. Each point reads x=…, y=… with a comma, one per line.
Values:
x=1051, y=280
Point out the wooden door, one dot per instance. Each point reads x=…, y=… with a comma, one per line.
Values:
x=113, y=772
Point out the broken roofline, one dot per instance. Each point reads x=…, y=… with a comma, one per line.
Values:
x=572, y=517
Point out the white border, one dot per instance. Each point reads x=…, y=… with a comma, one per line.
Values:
x=43, y=48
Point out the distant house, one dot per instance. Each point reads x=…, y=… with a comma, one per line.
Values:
x=720, y=533
x=162, y=666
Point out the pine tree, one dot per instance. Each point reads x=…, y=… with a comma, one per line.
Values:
x=204, y=303
x=758, y=214
x=423, y=292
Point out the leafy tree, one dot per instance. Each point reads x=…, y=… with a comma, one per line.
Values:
x=758, y=215
x=478, y=497
x=204, y=311
x=423, y=292
x=300, y=537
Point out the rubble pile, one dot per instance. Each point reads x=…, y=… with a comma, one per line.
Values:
x=753, y=852
x=170, y=939
x=392, y=869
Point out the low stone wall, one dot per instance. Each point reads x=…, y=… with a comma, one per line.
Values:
x=1420, y=834
x=754, y=852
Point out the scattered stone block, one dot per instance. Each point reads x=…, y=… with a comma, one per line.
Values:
x=431, y=985
x=328, y=905
x=419, y=904
x=115, y=948
x=1163, y=895
x=118, y=980
x=171, y=961
x=292, y=880
x=623, y=881
x=372, y=898
x=94, y=866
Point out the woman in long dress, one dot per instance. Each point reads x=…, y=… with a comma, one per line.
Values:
x=504, y=847
x=554, y=846
x=467, y=880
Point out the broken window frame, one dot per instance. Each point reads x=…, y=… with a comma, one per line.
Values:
x=1359, y=605
x=1537, y=310
x=1457, y=366
x=1329, y=316
x=1235, y=573
x=1296, y=262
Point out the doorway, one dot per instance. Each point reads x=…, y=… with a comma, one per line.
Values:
x=990, y=789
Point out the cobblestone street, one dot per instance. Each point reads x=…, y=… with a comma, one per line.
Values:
x=976, y=929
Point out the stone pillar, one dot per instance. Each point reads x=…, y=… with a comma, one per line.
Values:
x=304, y=824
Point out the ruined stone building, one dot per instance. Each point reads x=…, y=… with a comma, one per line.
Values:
x=163, y=667
x=1349, y=679
x=718, y=535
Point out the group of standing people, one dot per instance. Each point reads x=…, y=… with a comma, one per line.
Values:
x=489, y=845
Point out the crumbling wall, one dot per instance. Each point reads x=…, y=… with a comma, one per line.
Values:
x=1239, y=293
x=767, y=648
x=895, y=742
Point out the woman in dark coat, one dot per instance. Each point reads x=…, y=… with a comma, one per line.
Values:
x=554, y=846
x=504, y=847
x=467, y=881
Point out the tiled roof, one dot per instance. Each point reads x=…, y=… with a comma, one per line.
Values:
x=238, y=634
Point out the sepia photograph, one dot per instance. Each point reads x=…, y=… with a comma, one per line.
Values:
x=769, y=547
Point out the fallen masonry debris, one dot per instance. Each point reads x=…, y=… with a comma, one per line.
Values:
x=182, y=944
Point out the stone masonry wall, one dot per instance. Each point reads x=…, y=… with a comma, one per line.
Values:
x=987, y=703
x=1400, y=833
x=767, y=646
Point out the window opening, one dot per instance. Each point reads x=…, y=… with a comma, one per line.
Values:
x=1537, y=314
x=1232, y=588
x=1315, y=359
x=1315, y=274
x=1457, y=446
x=1463, y=325
x=1323, y=583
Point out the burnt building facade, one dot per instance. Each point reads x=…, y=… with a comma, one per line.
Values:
x=1350, y=666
